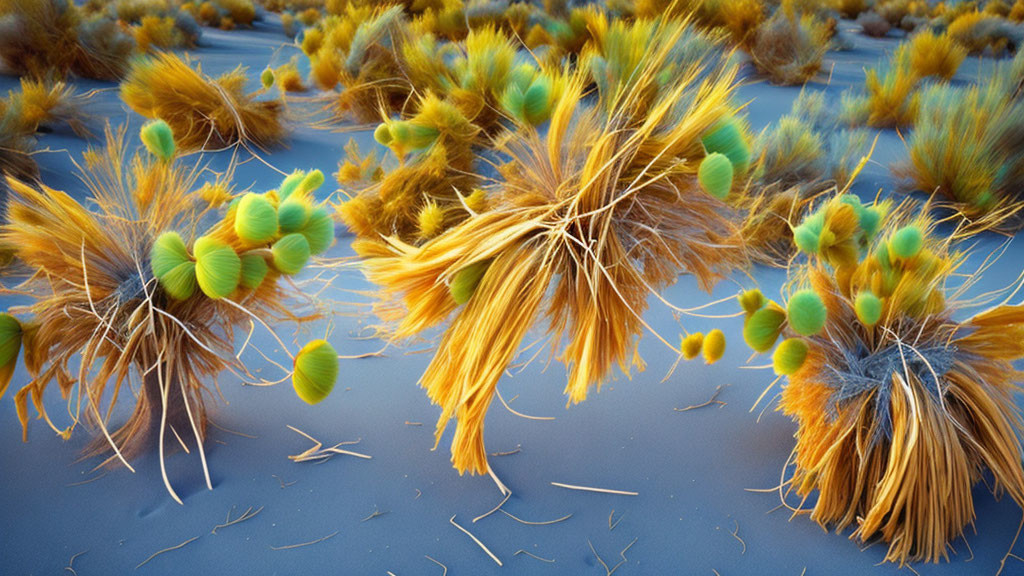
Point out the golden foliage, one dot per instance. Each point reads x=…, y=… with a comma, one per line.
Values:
x=204, y=113
x=788, y=48
x=934, y=55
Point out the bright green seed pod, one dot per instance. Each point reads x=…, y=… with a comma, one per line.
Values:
x=316, y=371
x=10, y=340
x=763, y=327
x=465, y=281
x=158, y=139
x=727, y=138
x=382, y=134
x=168, y=251
x=218, y=268
x=906, y=242
x=868, y=308
x=513, y=101
x=789, y=356
x=691, y=345
x=751, y=301
x=715, y=175
x=292, y=215
x=537, y=100
x=180, y=282
x=255, y=219
x=807, y=313
x=290, y=183
x=291, y=253
x=714, y=346
x=319, y=231
x=870, y=220
x=806, y=239
x=254, y=270
x=267, y=78
x=521, y=77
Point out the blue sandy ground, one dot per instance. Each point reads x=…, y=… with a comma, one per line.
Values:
x=692, y=470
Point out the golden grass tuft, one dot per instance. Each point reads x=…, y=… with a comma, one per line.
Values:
x=898, y=420
x=789, y=48
x=204, y=113
x=892, y=96
x=935, y=55
x=591, y=217
x=50, y=39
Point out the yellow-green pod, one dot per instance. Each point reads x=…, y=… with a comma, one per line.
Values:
x=465, y=281
x=430, y=220
x=316, y=371
x=180, y=282
x=537, y=100
x=255, y=219
x=267, y=78
x=727, y=137
x=312, y=181
x=763, y=327
x=691, y=345
x=290, y=183
x=10, y=339
x=751, y=301
x=789, y=356
x=168, y=251
x=714, y=346
x=158, y=138
x=476, y=201
x=291, y=253
x=218, y=267
x=382, y=134
x=292, y=215
x=319, y=231
x=715, y=175
x=807, y=313
x=868, y=308
x=254, y=270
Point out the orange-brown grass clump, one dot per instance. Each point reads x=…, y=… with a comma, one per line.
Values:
x=978, y=32
x=37, y=105
x=789, y=48
x=968, y=148
x=224, y=14
x=593, y=215
x=132, y=294
x=902, y=407
x=205, y=113
x=359, y=50
x=50, y=39
x=934, y=55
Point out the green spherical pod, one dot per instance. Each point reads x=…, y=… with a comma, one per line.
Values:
x=715, y=175
x=521, y=76
x=254, y=270
x=789, y=356
x=292, y=215
x=319, y=231
x=465, y=281
x=806, y=239
x=906, y=242
x=267, y=78
x=10, y=339
x=714, y=346
x=727, y=138
x=316, y=371
x=158, y=138
x=763, y=327
x=255, y=219
x=168, y=251
x=218, y=267
x=292, y=181
x=291, y=253
x=180, y=281
x=692, y=345
x=512, y=101
x=807, y=313
x=312, y=181
x=870, y=220
x=868, y=308
x=537, y=100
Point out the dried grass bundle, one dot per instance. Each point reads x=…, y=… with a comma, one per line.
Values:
x=892, y=98
x=599, y=211
x=205, y=113
x=117, y=296
x=978, y=32
x=224, y=14
x=49, y=39
x=968, y=148
x=789, y=48
x=934, y=55
x=42, y=104
x=901, y=408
